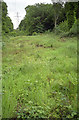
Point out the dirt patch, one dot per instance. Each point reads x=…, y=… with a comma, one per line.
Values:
x=62, y=40
x=37, y=45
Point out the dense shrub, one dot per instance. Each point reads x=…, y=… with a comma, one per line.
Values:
x=17, y=33
x=75, y=28
x=34, y=33
x=62, y=27
x=7, y=25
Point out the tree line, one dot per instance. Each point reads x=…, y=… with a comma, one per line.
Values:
x=43, y=17
x=7, y=25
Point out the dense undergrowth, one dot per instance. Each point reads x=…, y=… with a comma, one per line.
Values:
x=40, y=77
x=63, y=30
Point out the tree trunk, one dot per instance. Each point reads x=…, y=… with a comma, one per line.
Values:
x=55, y=23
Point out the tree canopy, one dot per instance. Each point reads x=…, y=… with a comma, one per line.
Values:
x=41, y=17
x=7, y=25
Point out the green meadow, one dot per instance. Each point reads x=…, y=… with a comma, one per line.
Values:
x=39, y=77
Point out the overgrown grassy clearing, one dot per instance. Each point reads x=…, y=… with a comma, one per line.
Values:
x=39, y=77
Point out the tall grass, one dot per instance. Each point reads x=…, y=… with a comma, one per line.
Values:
x=40, y=77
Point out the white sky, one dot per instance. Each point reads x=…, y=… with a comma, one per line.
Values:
x=15, y=6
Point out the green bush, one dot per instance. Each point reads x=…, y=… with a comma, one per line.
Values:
x=70, y=18
x=34, y=33
x=75, y=28
x=62, y=27
x=13, y=33
x=17, y=33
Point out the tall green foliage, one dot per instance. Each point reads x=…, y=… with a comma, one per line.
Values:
x=76, y=9
x=37, y=18
x=71, y=12
x=7, y=25
x=57, y=9
x=41, y=17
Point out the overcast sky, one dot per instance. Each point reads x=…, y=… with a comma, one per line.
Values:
x=15, y=6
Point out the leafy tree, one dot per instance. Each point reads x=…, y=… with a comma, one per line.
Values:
x=42, y=17
x=4, y=9
x=7, y=25
x=57, y=10
x=72, y=12
x=37, y=19
x=76, y=6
